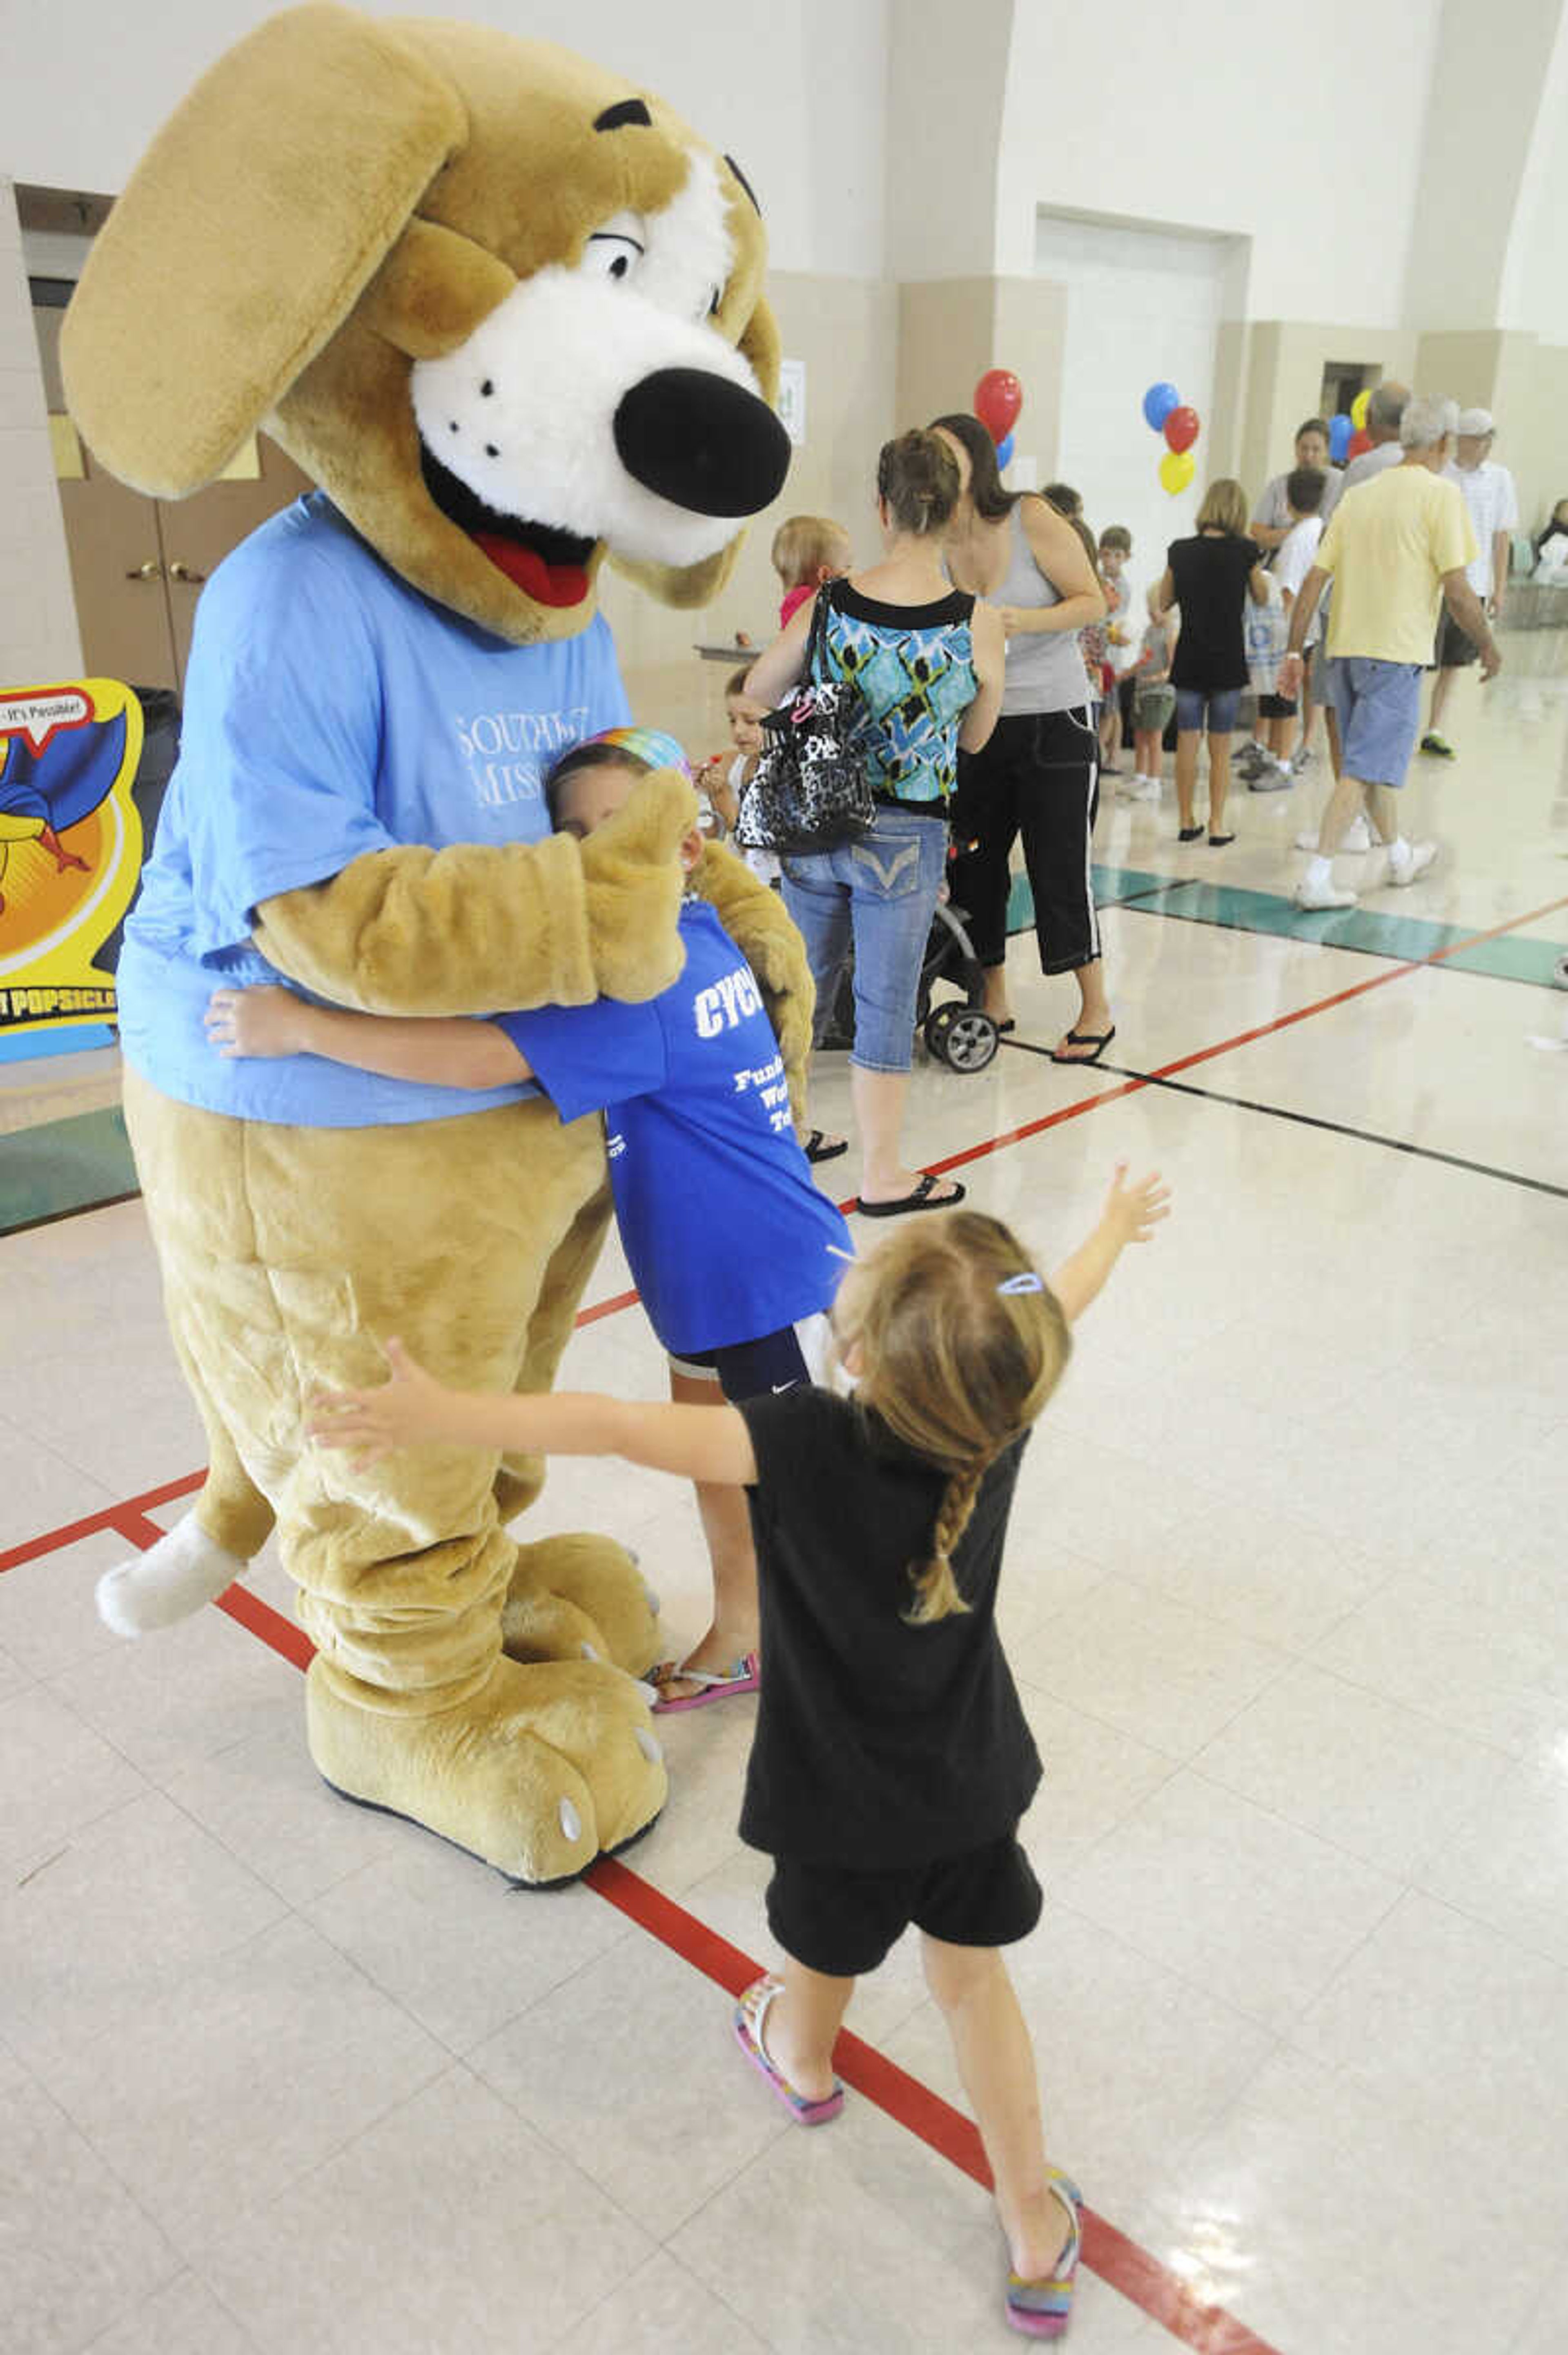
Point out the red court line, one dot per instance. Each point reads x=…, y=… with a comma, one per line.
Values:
x=1127, y=2268
x=1139, y=2277
x=72, y=1531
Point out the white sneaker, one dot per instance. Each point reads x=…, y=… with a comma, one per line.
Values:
x=1359, y=836
x=1129, y=789
x=1324, y=895
x=1302, y=760
x=1416, y=861
x=1148, y=790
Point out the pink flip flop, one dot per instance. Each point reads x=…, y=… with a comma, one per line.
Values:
x=743, y=1678
x=750, y=2015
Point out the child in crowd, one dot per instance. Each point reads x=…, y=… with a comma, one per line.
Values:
x=736, y=1255
x=892, y=1761
x=1272, y=758
x=1121, y=639
x=725, y=777
x=1093, y=644
x=1154, y=701
x=807, y=553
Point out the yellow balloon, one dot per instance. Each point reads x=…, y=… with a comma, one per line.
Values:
x=1359, y=411
x=1176, y=469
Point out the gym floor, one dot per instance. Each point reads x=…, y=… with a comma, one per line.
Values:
x=1285, y=1600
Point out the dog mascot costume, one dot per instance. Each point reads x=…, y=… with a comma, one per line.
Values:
x=507, y=311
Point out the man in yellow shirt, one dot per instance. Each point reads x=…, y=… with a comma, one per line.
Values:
x=1395, y=548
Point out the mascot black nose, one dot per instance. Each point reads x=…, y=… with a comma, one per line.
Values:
x=702, y=442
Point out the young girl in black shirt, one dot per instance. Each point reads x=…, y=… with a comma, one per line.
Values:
x=892, y=1760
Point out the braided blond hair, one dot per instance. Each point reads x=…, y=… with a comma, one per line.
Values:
x=955, y=1365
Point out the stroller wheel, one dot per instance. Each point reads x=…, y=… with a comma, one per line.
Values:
x=965, y=1038
x=1560, y=971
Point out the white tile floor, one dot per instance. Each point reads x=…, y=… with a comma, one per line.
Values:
x=1286, y=1600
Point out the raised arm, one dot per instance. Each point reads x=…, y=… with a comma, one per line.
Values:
x=1130, y=1216
x=779, y=666
x=413, y=1409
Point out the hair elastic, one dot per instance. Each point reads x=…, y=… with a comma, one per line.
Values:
x=1014, y=1285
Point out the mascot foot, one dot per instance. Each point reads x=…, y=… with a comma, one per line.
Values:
x=581, y=1597
x=539, y=1772
x=167, y=1583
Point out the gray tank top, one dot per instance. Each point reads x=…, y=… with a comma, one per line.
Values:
x=1045, y=669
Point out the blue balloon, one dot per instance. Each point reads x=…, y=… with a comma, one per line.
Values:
x=1339, y=431
x=1004, y=451
x=1158, y=402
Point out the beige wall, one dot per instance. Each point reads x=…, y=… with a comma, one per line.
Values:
x=39, y=638
x=845, y=331
x=951, y=331
x=1283, y=367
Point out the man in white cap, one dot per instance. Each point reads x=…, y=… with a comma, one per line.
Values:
x=1494, y=516
x=1396, y=549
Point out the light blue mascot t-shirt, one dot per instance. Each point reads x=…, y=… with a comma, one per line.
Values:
x=330, y=710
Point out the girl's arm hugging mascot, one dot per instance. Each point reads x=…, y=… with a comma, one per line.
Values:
x=507, y=311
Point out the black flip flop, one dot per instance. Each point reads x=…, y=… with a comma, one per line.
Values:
x=1189, y=833
x=818, y=1147
x=919, y=1198
x=1099, y=1040
x=1218, y=841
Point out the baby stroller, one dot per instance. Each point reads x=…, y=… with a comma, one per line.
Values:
x=958, y=1031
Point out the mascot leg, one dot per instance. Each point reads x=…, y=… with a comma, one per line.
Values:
x=205, y=1552
x=290, y=1253
x=573, y=1592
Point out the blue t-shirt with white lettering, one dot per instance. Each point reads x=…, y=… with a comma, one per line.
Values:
x=727, y=1238
x=331, y=710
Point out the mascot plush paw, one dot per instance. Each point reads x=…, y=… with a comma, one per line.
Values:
x=507, y=311
x=539, y=1770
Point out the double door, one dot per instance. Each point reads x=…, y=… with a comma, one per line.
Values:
x=138, y=564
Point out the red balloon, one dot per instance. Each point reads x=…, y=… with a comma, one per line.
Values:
x=999, y=397
x=1182, y=428
x=1359, y=441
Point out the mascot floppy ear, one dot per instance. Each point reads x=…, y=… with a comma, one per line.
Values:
x=312, y=140
x=698, y=585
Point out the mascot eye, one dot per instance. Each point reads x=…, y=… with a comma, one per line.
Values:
x=716, y=297
x=610, y=255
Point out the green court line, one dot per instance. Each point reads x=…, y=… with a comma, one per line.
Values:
x=1411, y=940
x=62, y=1165
x=81, y=1162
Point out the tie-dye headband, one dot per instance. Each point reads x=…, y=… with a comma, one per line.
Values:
x=649, y=744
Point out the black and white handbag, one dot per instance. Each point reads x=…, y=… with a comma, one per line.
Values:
x=809, y=790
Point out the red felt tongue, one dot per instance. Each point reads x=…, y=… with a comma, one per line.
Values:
x=547, y=585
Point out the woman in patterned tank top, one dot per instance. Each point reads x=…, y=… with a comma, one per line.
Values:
x=926, y=663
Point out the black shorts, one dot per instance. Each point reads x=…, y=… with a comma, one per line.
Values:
x=1277, y=706
x=1456, y=647
x=776, y=1361
x=842, y=1922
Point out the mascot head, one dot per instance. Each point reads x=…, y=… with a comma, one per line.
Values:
x=504, y=307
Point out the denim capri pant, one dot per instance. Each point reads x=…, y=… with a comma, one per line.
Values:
x=881, y=895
